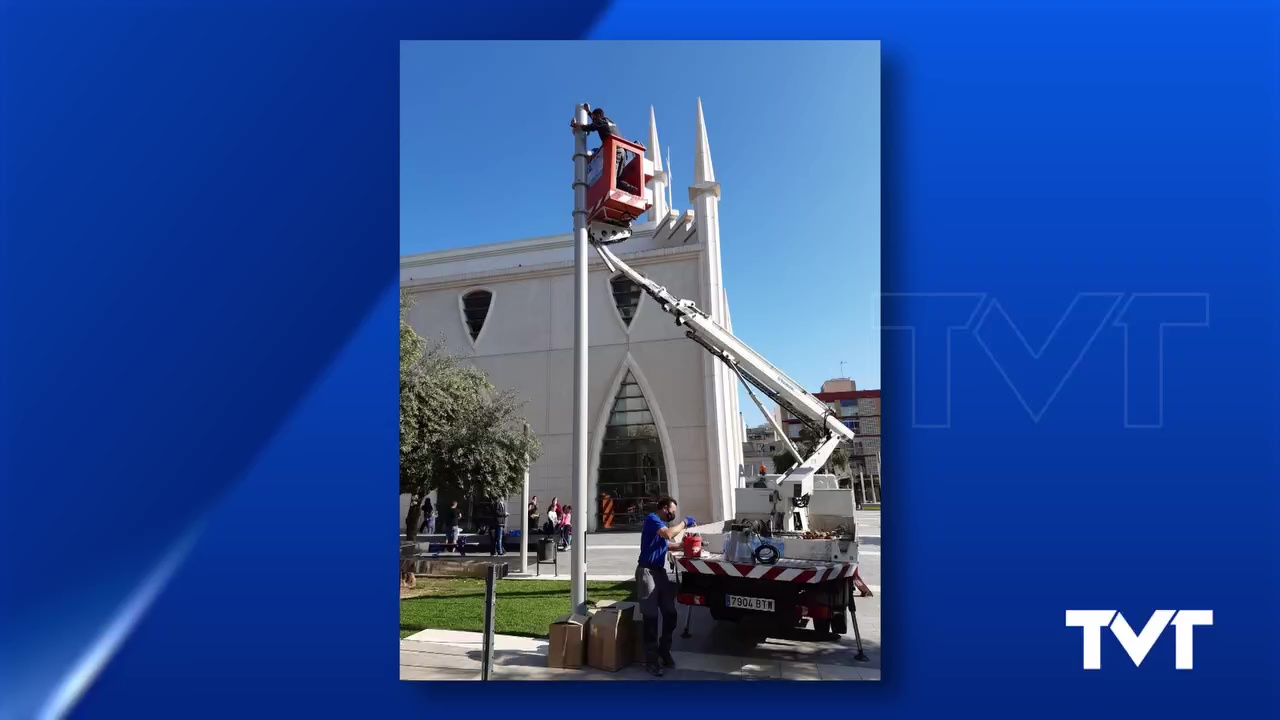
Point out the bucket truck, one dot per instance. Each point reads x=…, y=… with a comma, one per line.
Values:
x=789, y=553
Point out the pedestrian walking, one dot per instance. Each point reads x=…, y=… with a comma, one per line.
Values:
x=533, y=514
x=428, y=517
x=566, y=526
x=451, y=518
x=498, y=529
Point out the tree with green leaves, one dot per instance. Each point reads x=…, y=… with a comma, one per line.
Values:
x=782, y=462
x=807, y=444
x=457, y=431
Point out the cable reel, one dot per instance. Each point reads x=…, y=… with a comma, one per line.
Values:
x=766, y=555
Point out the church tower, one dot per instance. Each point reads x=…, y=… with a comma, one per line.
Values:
x=721, y=389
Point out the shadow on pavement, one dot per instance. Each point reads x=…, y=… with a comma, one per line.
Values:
x=516, y=659
x=748, y=641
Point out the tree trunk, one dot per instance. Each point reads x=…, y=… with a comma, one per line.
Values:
x=412, y=522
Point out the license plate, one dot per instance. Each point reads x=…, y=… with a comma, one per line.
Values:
x=749, y=603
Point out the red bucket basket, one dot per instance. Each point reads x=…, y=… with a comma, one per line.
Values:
x=692, y=545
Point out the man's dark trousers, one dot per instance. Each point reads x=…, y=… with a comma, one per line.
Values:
x=498, y=533
x=657, y=595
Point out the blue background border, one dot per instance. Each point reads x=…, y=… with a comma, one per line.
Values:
x=198, y=269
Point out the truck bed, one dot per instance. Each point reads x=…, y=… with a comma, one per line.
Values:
x=784, y=570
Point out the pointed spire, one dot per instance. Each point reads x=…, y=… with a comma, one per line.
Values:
x=655, y=153
x=658, y=185
x=704, y=177
x=702, y=170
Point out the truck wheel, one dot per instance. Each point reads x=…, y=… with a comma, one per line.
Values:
x=840, y=622
x=822, y=627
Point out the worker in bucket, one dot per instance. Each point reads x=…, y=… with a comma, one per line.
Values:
x=656, y=592
x=603, y=127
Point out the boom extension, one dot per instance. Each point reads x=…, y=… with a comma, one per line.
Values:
x=791, y=447
x=749, y=365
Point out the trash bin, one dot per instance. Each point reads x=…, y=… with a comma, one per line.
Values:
x=546, y=549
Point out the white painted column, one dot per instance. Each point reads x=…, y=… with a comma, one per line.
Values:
x=524, y=520
x=577, y=554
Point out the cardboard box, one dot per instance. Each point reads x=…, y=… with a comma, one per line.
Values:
x=622, y=606
x=568, y=636
x=609, y=644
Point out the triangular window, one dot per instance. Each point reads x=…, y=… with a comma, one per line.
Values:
x=475, y=309
x=626, y=297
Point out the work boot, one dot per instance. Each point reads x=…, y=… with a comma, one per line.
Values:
x=667, y=660
x=654, y=669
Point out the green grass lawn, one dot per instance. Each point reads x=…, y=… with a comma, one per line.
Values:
x=523, y=607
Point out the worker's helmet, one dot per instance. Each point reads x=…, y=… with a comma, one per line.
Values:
x=598, y=111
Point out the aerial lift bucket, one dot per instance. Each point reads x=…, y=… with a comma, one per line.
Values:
x=616, y=195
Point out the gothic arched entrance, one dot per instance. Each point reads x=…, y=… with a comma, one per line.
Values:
x=632, y=475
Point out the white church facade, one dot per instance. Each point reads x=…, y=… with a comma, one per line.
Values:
x=663, y=416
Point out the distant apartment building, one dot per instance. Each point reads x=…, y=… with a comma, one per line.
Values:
x=859, y=410
x=758, y=449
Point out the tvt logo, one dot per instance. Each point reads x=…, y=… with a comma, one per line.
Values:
x=1037, y=355
x=1139, y=644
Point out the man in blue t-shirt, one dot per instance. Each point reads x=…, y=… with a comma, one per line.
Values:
x=654, y=588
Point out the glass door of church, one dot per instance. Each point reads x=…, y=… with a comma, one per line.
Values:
x=633, y=475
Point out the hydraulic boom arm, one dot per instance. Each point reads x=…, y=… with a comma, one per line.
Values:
x=750, y=366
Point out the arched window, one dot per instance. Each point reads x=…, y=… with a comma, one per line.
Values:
x=633, y=474
x=475, y=308
x=626, y=297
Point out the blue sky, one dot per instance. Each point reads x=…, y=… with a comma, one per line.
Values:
x=794, y=130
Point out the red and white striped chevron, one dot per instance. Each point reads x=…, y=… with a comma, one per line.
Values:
x=783, y=571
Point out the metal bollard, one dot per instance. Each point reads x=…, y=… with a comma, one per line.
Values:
x=490, y=593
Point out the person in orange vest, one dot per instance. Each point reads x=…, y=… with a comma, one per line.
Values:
x=760, y=482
